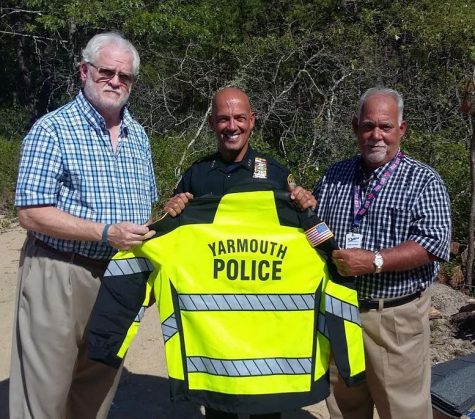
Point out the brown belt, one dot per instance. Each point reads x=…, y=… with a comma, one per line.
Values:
x=369, y=304
x=71, y=257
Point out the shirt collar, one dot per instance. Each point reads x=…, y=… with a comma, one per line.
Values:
x=376, y=172
x=247, y=161
x=95, y=118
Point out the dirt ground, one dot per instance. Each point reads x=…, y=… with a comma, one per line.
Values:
x=143, y=391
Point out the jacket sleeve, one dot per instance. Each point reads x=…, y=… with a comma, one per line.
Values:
x=345, y=334
x=119, y=308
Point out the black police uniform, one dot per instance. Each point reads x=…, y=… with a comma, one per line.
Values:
x=211, y=175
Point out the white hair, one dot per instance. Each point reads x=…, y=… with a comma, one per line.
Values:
x=99, y=41
x=382, y=91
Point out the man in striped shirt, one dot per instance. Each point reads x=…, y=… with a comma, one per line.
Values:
x=85, y=188
x=391, y=216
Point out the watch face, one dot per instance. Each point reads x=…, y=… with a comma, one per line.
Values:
x=378, y=260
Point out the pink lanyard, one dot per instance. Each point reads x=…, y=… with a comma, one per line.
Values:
x=361, y=210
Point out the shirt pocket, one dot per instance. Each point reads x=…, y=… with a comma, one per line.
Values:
x=399, y=223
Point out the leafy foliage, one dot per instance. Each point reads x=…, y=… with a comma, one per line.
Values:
x=304, y=64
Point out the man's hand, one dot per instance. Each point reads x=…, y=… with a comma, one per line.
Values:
x=177, y=203
x=353, y=262
x=127, y=235
x=303, y=198
x=404, y=257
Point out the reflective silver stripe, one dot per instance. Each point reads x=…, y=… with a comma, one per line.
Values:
x=169, y=327
x=246, y=302
x=322, y=325
x=119, y=267
x=140, y=314
x=342, y=309
x=249, y=367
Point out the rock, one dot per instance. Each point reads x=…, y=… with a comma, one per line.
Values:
x=447, y=300
x=464, y=324
x=442, y=278
x=468, y=308
x=458, y=278
x=452, y=333
x=434, y=314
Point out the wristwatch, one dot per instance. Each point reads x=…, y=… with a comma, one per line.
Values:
x=378, y=262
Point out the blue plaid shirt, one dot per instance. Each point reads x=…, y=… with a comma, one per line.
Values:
x=67, y=161
x=413, y=205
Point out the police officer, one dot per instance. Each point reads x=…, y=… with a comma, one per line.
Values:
x=232, y=121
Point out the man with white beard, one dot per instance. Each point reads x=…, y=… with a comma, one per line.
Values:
x=85, y=188
x=391, y=217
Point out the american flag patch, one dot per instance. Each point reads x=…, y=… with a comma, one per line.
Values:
x=318, y=234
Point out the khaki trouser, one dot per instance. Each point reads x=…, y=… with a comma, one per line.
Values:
x=396, y=344
x=51, y=376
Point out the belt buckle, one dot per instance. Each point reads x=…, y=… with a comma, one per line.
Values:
x=368, y=303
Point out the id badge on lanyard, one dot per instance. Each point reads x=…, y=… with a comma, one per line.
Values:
x=353, y=240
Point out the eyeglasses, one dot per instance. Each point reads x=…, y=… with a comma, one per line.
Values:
x=107, y=74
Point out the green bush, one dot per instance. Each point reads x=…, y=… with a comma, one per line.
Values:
x=167, y=152
x=13, y=121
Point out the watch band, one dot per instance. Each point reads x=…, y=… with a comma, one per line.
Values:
x=105, y=234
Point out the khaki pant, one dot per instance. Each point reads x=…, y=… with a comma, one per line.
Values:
x=51, y=376
x=396, y=344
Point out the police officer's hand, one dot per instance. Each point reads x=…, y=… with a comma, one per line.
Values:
x=303, y=198
x=127, y=235
x=177, y=204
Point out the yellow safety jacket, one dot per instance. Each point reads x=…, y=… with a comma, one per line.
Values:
x=249, y=311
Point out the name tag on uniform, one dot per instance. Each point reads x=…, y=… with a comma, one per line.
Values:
x=260, y=168
x=353, y=241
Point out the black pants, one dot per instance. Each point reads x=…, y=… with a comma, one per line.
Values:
x=216, y=414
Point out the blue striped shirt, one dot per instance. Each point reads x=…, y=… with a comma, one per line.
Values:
x=413, y=205
x=67, y=161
